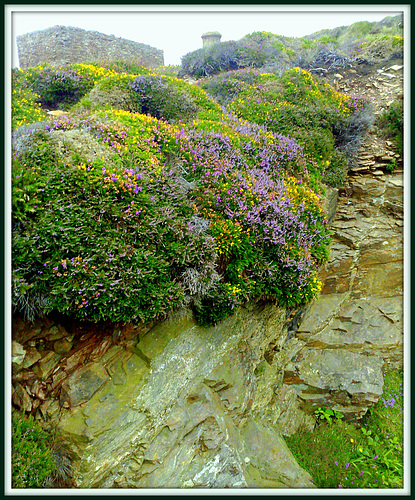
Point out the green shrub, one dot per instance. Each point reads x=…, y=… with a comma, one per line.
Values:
x=298, y=105
x=121, y=216
x=85, y=242
x=59, y=88
x=358, y=30
x=26, y=108
x=348, y=133
x=390, y=123
x=307, y=44
x=159, y=98
x=109, y=237
x=382, y=49
x=217, y=305
x=226, y=56
x=27, y=181
x=260, y=36
x=32, y=460
x=327, y=39
x=103, y=97
x=336, y=171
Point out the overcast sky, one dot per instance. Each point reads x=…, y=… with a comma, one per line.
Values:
x=177, y=29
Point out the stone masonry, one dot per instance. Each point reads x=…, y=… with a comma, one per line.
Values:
x=61, y=45
x=211, y=38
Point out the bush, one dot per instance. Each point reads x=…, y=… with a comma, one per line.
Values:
x=32, y=460
x=164, y=226
x=349, y=134
x=116, y=97
x=298, y=105
x=26, y=108
x=217, y=305
x=59, y=88
x=105, y=268
x=160, y=99
x=221, y=57
x=390, y=123
x=121, y=216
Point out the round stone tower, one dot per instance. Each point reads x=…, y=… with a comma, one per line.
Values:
x=210, y=38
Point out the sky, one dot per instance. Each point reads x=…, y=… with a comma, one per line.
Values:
x=177, y=29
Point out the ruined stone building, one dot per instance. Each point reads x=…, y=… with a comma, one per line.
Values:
x=61, y=45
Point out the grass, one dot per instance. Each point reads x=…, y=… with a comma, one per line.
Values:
x=368, y=454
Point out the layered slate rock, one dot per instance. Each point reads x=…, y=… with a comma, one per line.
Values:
x=354, y=332
x=174, y=405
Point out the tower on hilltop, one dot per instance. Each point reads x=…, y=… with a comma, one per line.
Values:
x=211, y=38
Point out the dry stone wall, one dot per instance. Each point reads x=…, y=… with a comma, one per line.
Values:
x=61, y=45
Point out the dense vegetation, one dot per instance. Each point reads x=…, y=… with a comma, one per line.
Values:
x=32, y=460
x=390, y=124
x=363, y=42
x=368, y=455
x=327, y=124
x=40, y=458
x=150, y=196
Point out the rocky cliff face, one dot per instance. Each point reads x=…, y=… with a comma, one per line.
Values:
x=175, y=405
x=354, y=332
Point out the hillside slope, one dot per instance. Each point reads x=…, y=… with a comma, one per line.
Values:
x=217, y=206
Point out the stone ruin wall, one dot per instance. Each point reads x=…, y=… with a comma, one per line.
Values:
x=61, y=45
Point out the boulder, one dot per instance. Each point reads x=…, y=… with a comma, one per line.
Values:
x=32, y=356
x=21, y=398
x=45, y=366
x=18, y=354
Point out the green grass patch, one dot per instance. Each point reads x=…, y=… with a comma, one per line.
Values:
x=32, y=460
x=368, y=455
x=390, y=124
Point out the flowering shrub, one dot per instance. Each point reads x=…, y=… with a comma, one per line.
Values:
x=299, y=106
x=115, y=237
x=221, y=57
x=124, y=216
x=26, y=107
x=162, y=100
x=59, y=88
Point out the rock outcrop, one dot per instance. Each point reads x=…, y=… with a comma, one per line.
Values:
x=354, y=332
x=176, y=405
